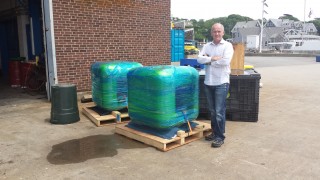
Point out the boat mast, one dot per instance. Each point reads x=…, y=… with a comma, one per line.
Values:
x=304, y=13
x=261, y=24
x=304, y=20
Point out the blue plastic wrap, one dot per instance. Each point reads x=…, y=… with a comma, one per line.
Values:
x=109, y=83
x=163, y=96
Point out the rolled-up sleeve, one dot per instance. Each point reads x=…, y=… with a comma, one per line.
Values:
x=226, y=58
x=202, y=58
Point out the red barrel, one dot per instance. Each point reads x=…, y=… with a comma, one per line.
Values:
x=25, y=69
x=14, y=73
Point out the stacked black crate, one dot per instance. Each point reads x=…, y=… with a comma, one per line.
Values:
x=203, y=109
x=243, y=101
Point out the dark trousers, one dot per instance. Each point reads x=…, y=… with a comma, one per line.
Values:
x=216, y=98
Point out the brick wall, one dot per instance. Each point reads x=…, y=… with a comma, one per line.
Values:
x=103, y=30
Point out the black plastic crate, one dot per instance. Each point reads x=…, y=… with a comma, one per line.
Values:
x=243, y=102
x=242, y=116
x=203, y=110
x=202, y=97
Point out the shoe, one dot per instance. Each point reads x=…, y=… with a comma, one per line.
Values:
x=210, y=137
x=217, y=143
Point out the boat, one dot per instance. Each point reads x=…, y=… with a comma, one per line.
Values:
x=297, y=43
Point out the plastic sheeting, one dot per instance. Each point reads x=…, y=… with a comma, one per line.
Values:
x=109, y=83
x=163, y=96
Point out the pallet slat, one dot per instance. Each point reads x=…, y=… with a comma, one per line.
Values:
x=86, y=98
x=202, y=129
x=115, y=117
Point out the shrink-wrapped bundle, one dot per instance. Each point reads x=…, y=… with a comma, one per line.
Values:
x=109, y=83
x=163, y=96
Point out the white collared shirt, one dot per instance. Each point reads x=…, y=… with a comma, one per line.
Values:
x=217, y=72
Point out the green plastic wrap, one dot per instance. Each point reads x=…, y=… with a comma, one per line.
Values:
x=163, y=96
x=109, y=83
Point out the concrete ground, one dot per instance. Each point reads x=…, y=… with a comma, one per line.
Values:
x=283, y=144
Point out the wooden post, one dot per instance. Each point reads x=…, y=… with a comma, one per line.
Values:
x=237, y=61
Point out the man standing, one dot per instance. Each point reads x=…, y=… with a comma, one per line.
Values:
x=217, y=56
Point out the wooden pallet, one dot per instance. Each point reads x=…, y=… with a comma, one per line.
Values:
x=115, y=117
x=182, y=138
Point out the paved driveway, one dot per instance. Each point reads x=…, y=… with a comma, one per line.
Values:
x=283, y=144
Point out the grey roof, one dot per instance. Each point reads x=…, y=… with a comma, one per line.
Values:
x=256, y=31
x=309, y=26
x=249, y=31
x=298, y=24
x=245, y=24
x=276, y=22
x=285, y=24
x=274, y=32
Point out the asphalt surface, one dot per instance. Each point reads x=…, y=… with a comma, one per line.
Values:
x=282, y=145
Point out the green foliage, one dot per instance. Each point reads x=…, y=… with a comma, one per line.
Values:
x=289, y=16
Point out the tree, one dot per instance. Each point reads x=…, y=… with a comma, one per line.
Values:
x=203, y=28
x=288, y=16
x=231, y=21
x=199, y=29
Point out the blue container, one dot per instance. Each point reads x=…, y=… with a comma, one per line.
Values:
x=109, y=83
x=177, y=45
x=163, y=97
x=191, y=62
x=318, y=58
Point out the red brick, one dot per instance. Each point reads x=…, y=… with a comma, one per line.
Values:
x=103, y=30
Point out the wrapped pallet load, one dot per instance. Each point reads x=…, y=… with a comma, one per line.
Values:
x=109, y=83
x=163, y=97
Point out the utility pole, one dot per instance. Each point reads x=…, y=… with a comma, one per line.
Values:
x=261, y=24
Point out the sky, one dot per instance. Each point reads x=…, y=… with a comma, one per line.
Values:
x=208, y=9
